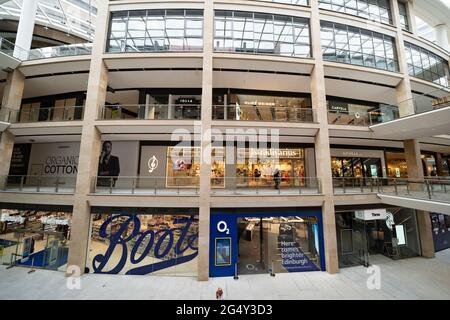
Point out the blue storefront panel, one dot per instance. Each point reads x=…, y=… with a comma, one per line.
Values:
x=224, y=240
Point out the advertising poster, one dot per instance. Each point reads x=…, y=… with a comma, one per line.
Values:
x=223, y=251
x=117, y=164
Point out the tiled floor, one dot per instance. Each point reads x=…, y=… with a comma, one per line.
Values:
x=416, y=278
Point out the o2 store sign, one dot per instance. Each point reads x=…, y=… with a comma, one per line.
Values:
x=222, y=227
x=118, y=242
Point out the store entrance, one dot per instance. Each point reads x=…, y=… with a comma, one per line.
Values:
x=278, y=244
x=36, y=249
x=252, y=243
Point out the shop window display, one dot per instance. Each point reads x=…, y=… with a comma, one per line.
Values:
x=356, y=167
x=256, y=169
x=38, y=239
x=183, y=167
x=143, y=244
x=394, y=235
x=278, y=244
x=248, y=107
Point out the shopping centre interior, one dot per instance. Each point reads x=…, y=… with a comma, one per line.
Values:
x=210, y=139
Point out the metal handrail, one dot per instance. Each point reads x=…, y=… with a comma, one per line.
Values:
x=38, y=114
x=151, y=112
x=263, y=113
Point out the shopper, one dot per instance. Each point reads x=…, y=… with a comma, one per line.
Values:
x=276, y=178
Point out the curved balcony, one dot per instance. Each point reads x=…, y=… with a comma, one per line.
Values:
x=60, y=51
x=355, y=115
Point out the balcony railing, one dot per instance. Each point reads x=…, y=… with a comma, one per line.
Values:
x=362, y=118
x=36, y=183
x=151, y=112
x=60, y=51
x=263, y=113
x=433, y=100
x=9, y=48
x=432, y=188
x=220, y=186
x=68, y=113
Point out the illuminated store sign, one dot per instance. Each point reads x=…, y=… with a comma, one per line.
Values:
x=8, y=218
x=260, y=103
x=55, y=221
x=271, y=153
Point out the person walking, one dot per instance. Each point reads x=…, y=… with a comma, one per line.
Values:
x=276, y=178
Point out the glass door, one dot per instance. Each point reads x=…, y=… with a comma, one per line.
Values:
x=251, y=246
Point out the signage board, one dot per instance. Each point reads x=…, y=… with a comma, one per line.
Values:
x=371, y=214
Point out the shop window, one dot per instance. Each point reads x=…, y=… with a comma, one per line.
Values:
x=159, y=244
x=256, y=167
x=37, y=239
x=183, y=167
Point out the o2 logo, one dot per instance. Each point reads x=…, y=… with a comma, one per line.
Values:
x=151, y=243
x=222, y=227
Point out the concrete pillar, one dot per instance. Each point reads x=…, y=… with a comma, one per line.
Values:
x=205, y=166
x=25, y=29
x=411, y=17
x=413, y=159
x=11, y=102
x=425, y=233
x=442, y=36
x=90, y=144
x=322, y=144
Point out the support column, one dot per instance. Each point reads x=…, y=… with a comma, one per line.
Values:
x=11, y=102
x=413, y=159
x=411, y=17
x=90, y=144
x=322, y=144
x=205, y=166
x=442, y=36
x=25, y=29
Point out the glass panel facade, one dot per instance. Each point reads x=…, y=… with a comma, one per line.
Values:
x=377, y=10
x=352, y=45
x=37, y=239
x=294, y=2
x=260, y=33
x=404, y=21
x=395, y=236
x=278, y=244
x=156, y=30
x=159, y=244
x=349, y=112
x=426, y=65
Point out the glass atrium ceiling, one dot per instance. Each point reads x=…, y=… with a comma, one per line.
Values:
x=75, y=17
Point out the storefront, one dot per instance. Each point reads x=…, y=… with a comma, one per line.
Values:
x=138, y=242
x=397, y=167
x=178, y=167
x=363, y=234
x=37, y=239
x=265, y=241
x=440, y=224
x=351, y=163
x=244, y=105
x=256, y=167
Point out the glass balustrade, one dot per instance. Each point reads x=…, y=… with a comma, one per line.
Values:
x=263, y=113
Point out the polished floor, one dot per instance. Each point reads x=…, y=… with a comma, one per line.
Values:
x=415, y=278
